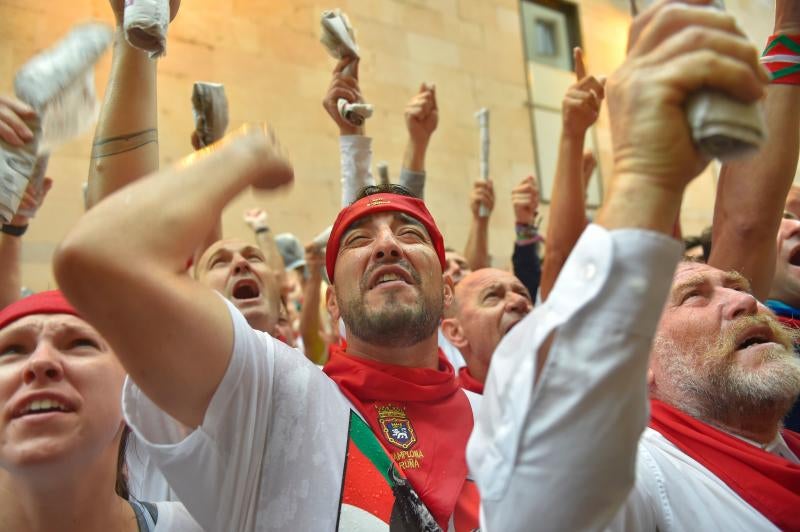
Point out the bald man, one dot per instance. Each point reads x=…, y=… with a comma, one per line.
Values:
x=488, y=303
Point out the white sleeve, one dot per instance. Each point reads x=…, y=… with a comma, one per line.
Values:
x=561, y=452
x=356, y=157
x=217, y=469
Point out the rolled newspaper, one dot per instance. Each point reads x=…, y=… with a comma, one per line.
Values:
x=37, y=182
x=483, y=125
x=59, y=84
x=321, y=240
x=339, y=39
x=722, y=128
x=210, y=107
x=383, y=172
x=16, y=168
x=145, y=23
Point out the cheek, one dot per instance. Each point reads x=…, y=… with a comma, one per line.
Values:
x=100, y=386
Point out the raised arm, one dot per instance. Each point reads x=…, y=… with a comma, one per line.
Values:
x=125, y=145
x=173, y=336
x=422, y=117
x=310, y=322
x=355, y=148
x=527, y=266
x=477, y=249
x=604, y=309
x=579, y=111
x=256, y=219
x=751, y=193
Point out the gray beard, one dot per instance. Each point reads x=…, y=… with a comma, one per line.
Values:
x=394, y=325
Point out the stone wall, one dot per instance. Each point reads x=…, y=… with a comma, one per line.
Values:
x=267, y=54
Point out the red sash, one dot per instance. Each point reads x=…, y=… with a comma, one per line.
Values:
x=468, y=382
x=769, y=483
x=421, y=417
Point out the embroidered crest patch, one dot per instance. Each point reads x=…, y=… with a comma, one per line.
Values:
x=396, y=426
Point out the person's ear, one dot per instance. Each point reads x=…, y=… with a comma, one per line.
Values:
x=454, y=332
x=448, y=292
x=332, y=304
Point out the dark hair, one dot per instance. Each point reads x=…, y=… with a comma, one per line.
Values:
x=387, y=188
x=121, y=483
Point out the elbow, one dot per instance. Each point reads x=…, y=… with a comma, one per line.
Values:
x=73, y=263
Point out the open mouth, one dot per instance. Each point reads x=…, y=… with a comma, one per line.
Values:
x=794, y=258
x=42, y=406
x=392, y=275
x=245, y=289
x=754, y=338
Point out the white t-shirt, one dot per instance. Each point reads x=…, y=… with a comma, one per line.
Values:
x=270, y=452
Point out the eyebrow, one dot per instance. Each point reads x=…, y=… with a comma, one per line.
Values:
x=698, y=279
x=401, y=216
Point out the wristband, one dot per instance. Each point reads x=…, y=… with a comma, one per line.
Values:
x=14, y=230
x=527, y=234
x=782, y=58
x=261, y=230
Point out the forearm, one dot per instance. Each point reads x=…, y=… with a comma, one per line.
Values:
x=132, y=249
x=477, y=249
x=527, y=266
x=10, y=274
x=567, y=209
x=266, y=242
x=751, y=195
x=414, y=156
x=310, y=323
x=414, y=181
x=126, y=139
x=356, y=157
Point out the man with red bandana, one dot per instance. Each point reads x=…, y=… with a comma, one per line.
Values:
x=268, y=441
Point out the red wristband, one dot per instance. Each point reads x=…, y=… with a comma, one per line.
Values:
x=782, y=58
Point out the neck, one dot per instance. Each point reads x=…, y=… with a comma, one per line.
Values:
x=477, y=369
x=762, y=430
x=76, y=496
x=424, y=354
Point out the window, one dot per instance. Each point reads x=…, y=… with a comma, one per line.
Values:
x=551, y=30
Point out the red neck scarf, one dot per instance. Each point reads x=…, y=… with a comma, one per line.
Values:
x=468, y=382
x=421, y=417
x=769, y=483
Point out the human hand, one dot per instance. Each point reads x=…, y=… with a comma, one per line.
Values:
x=13, y=129
x=525, y=200
x=118, y=6
x=315, y=260
x=344, y=85
x=676, y=49
x=581, y=105
x=482, y=194
x=256, y=218
x=31, y=201
x=269, y=166
x=422, y=115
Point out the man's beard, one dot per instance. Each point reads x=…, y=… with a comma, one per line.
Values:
x=710, y=385
x=395, y=324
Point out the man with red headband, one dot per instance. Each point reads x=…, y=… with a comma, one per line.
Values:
x=272, y=443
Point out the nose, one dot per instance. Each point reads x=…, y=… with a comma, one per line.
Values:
x=240, y=264
x=517, y=303
x=43, y=365
x=739, y=304
x=386, y=247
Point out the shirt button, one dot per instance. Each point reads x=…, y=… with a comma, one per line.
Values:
x=589, y=271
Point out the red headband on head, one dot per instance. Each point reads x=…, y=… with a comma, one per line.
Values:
x=383, y=202
x=50, y=302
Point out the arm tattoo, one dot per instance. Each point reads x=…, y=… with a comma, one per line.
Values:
x=106, y=147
